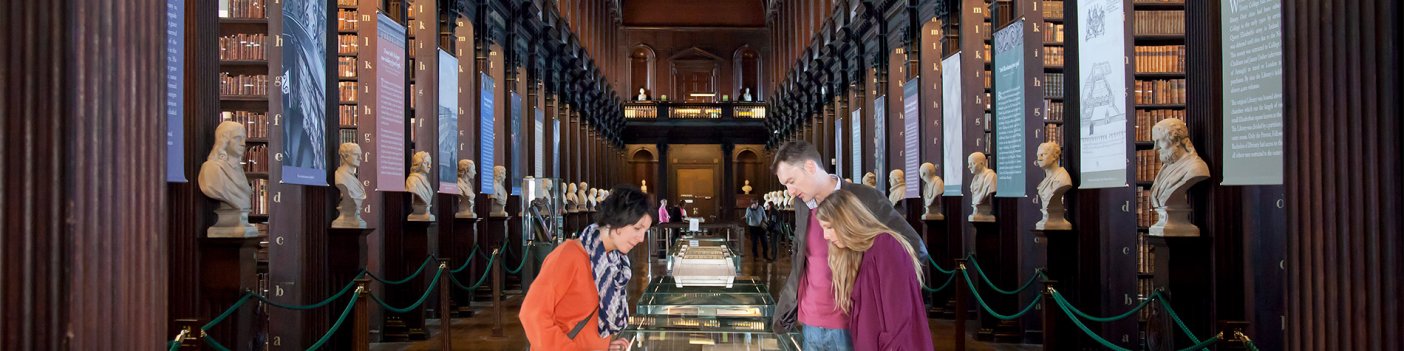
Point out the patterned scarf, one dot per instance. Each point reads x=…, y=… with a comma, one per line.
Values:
x=612, y=273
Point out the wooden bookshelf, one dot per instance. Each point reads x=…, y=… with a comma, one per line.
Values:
x=1054, y=60
x=243, y=52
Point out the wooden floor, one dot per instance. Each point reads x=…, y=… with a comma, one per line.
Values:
x=476, y=333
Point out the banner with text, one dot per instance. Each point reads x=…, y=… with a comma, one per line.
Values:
x=175, y=105
x=911, y=135
x=518, y=149
x=304, y=89
x=448, y=123
x=856, y=134
x=880, y=141
x=1102, y=73
x=390, y=105
x=1009, y=133
x=952, y=132
x=486, y=134
x=1252, y=37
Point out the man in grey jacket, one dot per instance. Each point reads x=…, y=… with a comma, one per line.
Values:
x=802, y=300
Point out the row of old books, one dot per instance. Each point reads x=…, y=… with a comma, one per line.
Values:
x=1054, y=133
x=1145, y=216
x=1147, y=165
x=346, y=20
x=1160, y=59
x=347, y=136
x=243, y=85
x=243, y=9
x=346, y=44
x=1053, y=85
x=348, y=91
x=1053, y=10
x=1053, y=56
x=1055, y=111
x=1163, y=91
x=346, y=3
x=259, y=205
x=255, y=123
x=1052, y=32
x=243, y=47
x=254, y=159
x=1159, y=23
x=347, y=115
x=346, y=67
x=1145, y=119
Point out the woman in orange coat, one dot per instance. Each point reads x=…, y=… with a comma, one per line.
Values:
x=580, y=299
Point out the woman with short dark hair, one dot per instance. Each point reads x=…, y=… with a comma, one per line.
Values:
x=580, y=298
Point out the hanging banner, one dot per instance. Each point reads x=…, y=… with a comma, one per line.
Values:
x=540, y=138
x=952, y=132
x=838, y=146
x=1009, y=133
x=175, y=104
x=448, y=123
x=856, y=133
x=1252, y=37
x=1102, y=72
x=880, y=142
x=485, y=134
x=304, y=89
x=911, y=153
x=390, y=105
x=518, y=164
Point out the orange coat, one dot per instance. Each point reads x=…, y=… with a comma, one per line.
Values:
x=560, y=296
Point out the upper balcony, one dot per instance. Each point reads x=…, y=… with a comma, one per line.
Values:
x=674, y=122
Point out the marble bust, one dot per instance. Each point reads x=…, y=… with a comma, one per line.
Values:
x=746, y=189
x=896, y=186
x=642, y=96
x=1056, y=182
x=352, y=194
x=594, y=199
x=499, y=193
x=572, y=201
x=583, y=195
x=982, y=187
x=931, y=194
x=467, y=176
x=222, y=179
x=746, y=95
x=644, y=186
x=870, y=179
x=1182, y=168
x=420, y=189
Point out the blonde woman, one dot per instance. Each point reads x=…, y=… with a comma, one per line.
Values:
x=876, y=277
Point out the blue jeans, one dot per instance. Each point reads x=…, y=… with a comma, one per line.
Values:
x=825, y=339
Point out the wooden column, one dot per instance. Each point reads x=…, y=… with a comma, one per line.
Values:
x=84, y=190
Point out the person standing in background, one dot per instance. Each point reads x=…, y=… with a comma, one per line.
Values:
x=755, y=221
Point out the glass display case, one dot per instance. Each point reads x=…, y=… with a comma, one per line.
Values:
x=746, y=298
x=708, y=341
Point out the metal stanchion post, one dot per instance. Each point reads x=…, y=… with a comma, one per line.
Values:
x=1049, y=317
x=445, y=318
x=360, y=330
x=961, y=308
x=497, y=296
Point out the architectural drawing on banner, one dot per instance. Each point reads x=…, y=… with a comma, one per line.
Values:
x=1102, y=68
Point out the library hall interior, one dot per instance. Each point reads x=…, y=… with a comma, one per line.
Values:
x=702, y=175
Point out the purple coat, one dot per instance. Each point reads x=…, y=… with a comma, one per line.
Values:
x=887, y=311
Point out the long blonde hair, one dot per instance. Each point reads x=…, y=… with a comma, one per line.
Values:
x=856, y=228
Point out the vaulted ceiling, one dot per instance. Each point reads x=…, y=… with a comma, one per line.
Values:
x=694, y=13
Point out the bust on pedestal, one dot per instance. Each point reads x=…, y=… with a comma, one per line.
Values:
x=222, y=179
x=644, y=186
x=572, y=204
x=746, y=189
x=1056, y=182
x=1182, y=169
x=642, y=96
x=982, y=187
x=352, y=194
x=499, y=193
x=419, y=187
x=467, y=174
x=870, y=179
x=746, y=96
x=932, y=192
x=583, y=196
x=594, y=200
x=896, y=187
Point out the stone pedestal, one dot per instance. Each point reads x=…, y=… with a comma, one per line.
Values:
x=228, y=268
x=231, y=222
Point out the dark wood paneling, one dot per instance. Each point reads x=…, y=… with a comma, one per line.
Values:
x=1341, y=85
x=84, y=184
x=689, y=13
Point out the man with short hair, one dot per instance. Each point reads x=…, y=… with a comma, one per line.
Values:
x=808, y=295
x=755, y=221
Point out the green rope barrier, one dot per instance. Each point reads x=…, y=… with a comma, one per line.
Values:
x=1175, y=316
x=525, y=254
x=329, y=300
x=1059, y=296
x=1085, y=330
x=938, y=267
x=990, y=283
x=174, y=345
x=949, y=279
x=467, y=261
x=227, y=312
x=407, y=279
x=481, y=280
x=1203, y=345
x=350, y=306
x=430, y=291
x=986, y=306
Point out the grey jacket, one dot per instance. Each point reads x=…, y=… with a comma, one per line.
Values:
x=786, y=316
